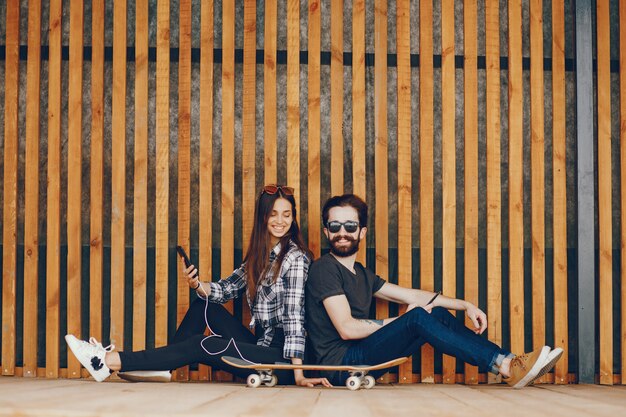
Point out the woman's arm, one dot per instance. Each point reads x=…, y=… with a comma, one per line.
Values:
x=220, y=291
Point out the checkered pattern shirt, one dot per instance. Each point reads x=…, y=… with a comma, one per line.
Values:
x=278, y=304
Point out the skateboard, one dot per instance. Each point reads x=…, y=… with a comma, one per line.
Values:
x=265, y=371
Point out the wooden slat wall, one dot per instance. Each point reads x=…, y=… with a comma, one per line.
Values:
x=314, y=218
x=162, y=133
x=53, y=227
x=448, y=145
x=380, y=150
x=405, y=228
x=269, y=91
x=293, y=99
x=206, y=151
x=248, y=175
x=184, y=159
x=118, y=173
x=31, y=189
x=336, y=97
x=559, y=173
x=622, y=84
x=516, y=178
x=494, y=244
x=427, y=249
x=96, y=169
x=74, y=180
x=9, y=212
x=311, y=201
x=359, y=176
x=537, y=176
x=140, y=188
x=605, y=302
x=470, y=111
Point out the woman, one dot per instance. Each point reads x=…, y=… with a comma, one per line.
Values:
x=272, y=277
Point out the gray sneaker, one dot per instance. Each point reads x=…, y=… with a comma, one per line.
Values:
x=91, y=356
x=146, y=376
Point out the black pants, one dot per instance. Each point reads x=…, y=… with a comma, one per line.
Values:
x=185, y=348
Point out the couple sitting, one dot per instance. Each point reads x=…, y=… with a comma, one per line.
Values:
x=339, y=294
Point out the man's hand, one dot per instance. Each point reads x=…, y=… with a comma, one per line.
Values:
x=311, y=382
x=477, y=316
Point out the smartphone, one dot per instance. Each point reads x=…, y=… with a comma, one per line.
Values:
x=183, y=255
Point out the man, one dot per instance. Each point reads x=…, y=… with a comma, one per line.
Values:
x=339, y=294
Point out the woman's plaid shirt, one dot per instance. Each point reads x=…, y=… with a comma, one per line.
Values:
x=278, y=304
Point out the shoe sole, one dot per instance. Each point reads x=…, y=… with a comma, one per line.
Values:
x=137, y=378
x=537, y=367
x=548, y=366
x=70, y=340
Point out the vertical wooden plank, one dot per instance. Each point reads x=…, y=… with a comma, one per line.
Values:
x=118, y=173
x=405, y=227
x=559, y=174
x=206, y=149
x=359, y=176
x=269, y=92
x=622, y=86
x=448, y=134
x=470, y=112
x=313, y=208
x=31, y=189
x=293, y=98
x=228, y=138
x=336, y=97
x=184, y=157
x=140, y=202
x=9, y=213
x=249, y=129
x=494, y=244
x=74, y=180
x=537, y=169
x=516, y=178
x=426, y=170
x=604, y=192
x=162, y=134
x=53, y=253
x=96, y=169
x=380, y=149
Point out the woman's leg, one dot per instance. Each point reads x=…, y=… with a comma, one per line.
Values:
x=219, y=319
x=205, y=350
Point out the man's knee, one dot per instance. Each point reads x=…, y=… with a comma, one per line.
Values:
x=441, y=313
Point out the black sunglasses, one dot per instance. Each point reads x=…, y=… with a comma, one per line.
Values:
x=349, y=226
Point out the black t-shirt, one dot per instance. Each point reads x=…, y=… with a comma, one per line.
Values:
x=327, y=278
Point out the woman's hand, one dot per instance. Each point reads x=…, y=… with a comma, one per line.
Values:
x=311, y=382
x=477, y=316
x=191, y=274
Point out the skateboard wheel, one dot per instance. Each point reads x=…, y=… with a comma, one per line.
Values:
x=273, y=381
x=353, y=383
x=368, y=382
x=254, y=381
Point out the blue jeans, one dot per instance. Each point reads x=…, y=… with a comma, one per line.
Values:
x=405, y=335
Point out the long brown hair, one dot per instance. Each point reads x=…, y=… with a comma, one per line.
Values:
x=257, y=256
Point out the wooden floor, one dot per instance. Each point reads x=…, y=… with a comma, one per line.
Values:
x=41, y=397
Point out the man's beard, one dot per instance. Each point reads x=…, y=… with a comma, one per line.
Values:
x=344, y=251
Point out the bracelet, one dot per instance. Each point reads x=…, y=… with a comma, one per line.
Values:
x=196, y=289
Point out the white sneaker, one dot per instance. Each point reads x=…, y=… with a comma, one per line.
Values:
x=553, y=357
x=146, y=376
x=91, y=356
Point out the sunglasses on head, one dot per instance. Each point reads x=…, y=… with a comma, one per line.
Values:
x=272, y=189
x=349, y=226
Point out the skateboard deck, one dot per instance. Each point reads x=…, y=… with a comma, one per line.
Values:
x=358, y=373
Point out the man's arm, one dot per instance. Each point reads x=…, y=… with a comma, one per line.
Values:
x=419, y=298
x=348, y=327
